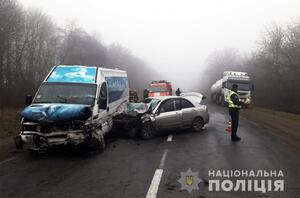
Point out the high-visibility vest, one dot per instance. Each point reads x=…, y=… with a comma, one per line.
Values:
x=230, y=102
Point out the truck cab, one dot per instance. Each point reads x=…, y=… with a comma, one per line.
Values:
x=221, y=89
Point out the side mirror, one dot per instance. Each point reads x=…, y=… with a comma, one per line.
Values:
x=28, y=100
x=203, y=97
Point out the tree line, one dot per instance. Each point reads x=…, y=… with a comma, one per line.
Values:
x=31, y=44
x=274, y=67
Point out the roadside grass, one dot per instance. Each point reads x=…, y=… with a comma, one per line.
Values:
x=9, y=122
x=290, y=116
x=280, y=122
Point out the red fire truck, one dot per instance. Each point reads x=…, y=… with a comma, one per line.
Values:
x=159, y=88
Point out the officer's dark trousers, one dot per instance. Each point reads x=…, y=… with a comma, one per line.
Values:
x=234, y=114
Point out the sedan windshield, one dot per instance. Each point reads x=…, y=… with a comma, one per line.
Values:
x=70, y=93
x=153, y=102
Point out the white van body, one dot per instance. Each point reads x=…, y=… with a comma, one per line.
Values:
x=74, y=104
x=108, y=77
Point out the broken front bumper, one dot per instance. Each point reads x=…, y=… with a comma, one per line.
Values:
x=38, y=140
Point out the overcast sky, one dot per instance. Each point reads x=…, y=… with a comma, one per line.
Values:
x=174, y=37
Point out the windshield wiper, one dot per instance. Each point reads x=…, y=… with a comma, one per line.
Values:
x=83, y=96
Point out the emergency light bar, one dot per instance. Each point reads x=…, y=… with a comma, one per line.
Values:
x=232, y=73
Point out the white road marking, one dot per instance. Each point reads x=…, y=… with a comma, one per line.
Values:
x=170, y=137
x=153, y=189
x=152, y=192
x=163, y=159
x=8, y=160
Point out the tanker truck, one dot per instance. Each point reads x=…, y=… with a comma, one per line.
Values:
x=220, y=89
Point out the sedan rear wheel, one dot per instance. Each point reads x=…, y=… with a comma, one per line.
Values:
x=198, y=124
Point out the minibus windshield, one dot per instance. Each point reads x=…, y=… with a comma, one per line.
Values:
x=70, y=93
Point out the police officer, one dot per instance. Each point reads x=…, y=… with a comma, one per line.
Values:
x=146, y=93
x=178, y=92
x=234, y=105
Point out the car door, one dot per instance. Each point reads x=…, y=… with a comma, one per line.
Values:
x=167, y=115
x=188, y=112
x=103, y=110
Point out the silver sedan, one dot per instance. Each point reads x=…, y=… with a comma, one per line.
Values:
x=173, y=112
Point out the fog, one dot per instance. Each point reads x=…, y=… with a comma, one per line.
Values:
x=173, y=37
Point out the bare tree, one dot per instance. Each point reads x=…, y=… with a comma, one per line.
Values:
x=30, y=44
x=274, y=67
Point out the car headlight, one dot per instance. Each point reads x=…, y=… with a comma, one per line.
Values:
x=30, y=127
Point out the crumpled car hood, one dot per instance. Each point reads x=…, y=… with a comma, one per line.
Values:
x=194, y=96
x=134, y=109
x=49, y=113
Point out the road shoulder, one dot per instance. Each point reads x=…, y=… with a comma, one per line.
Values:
x=281, y=124
x=7, y=148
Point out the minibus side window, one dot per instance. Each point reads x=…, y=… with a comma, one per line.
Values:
x=102, y=101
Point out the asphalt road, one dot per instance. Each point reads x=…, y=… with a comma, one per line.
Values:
x=133, y=168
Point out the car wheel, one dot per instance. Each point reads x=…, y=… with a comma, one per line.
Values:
x=147, y=131
x=96, y=146
x=97, y=142
x=18, y=142
x=198, y=124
